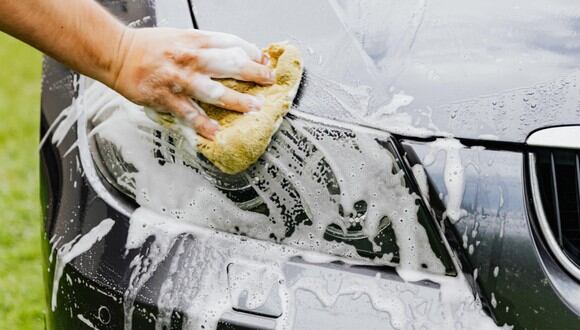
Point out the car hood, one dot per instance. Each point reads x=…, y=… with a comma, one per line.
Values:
x=494, y=70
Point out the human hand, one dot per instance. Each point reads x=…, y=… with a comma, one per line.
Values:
x=165, y=68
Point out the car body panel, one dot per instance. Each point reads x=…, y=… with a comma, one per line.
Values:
x=492, y=70
x=498, y=240
x=530, y=289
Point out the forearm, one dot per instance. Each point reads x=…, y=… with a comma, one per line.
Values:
x=78, y=33
x=180, y=67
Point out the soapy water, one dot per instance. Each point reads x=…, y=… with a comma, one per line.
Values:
x=179, y=196
x=72, y=249
x=312, y=177
x=359, y=104
x=86, y=321
x=174, y=191
x=302, y=195
x=198, y=284
x=453, y=174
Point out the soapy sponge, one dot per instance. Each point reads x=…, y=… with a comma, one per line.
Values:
x=245, y=136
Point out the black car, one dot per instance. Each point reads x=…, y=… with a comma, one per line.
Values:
x=427, y=177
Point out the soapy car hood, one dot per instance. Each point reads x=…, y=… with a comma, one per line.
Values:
x=493, y=70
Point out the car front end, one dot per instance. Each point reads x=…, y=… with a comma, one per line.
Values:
x=423, y=179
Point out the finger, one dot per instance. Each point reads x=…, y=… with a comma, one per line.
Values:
x=209, y=91
x=241, y=102
x=265, y=60
x=259, y=73
x=233, y=63
x=201, y=123
x=193, y=116
x=226, y=40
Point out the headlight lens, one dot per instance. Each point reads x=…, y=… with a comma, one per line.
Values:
x=320, y=186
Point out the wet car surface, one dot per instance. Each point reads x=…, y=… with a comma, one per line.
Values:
x=417, y=102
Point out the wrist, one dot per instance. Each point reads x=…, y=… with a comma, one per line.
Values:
x=122, y=48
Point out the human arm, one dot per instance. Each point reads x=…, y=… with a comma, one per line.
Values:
x=156, y=67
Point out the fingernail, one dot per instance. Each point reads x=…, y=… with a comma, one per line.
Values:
x=265, y=59
x=215, y=125
x=271, y=76
x=256, y=103
x=213, y=129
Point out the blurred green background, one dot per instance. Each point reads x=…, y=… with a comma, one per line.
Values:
x=22, y=301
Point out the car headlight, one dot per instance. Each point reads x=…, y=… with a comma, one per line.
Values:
x=321, y=185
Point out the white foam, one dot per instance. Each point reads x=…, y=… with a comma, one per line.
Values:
x=362, y=169
x=86, y=321
x=453, y=174
x=421, y=177
x=72, y=249
x=200, y=281
x=179, y=198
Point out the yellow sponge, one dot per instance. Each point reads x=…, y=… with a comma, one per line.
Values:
x=245, y=136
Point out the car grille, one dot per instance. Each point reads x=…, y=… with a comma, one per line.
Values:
x=558, y=186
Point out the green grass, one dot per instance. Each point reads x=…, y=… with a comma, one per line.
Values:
x=21, y=290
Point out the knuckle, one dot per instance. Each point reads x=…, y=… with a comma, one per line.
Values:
x=173, y=107
x=196, y=120
x=237, y=57
x=197, y=84
x=169, y=53
x=238, y=101
x=192, y=118
x=176, y=88
x=239, y=52
x=158, y=99
x=259, y=73
x=187, y=57
x=193, y=35
x=265, y=73
x=172, y=77
x=210, y=91
x=242, y=102
x=164, y=73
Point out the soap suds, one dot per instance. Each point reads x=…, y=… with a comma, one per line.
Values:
x=453, y=174
x=201, y=287
x=421, y=178
x=326, y=189
x=72, y=249
x=86, y=321
x=312, y=172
